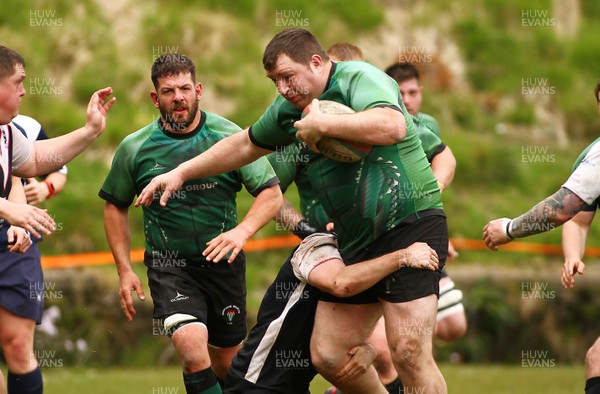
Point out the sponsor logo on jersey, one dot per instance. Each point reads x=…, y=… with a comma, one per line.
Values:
x=179, y=297
x=157, y=167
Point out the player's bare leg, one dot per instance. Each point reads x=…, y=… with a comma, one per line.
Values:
x=191, y=344
x=409, y=329
x=221, y=359
x=337, y=328
x=592, y=360
x=16, y=336
x=383, y=364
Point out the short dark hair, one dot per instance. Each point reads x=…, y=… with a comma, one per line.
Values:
x=402, y=72
x=597, y=90
x=9, y=59
x=170, y=64
x=344, y=51
x=298, y=44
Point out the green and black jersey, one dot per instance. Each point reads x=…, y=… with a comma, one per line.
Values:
x=430, y=140
x=430, y=122
x=368, y=198
x=290, y=165
x=202, y=208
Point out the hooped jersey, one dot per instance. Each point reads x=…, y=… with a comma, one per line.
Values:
x=368, y=198
x=199, y=211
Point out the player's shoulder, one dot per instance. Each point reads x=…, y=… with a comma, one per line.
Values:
x=355, y=66
x=220, y=124
x=136, y=139
x=591, y=155
x=429, y=121
x=28, y=124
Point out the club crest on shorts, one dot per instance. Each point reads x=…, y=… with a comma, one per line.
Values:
x=230, y=311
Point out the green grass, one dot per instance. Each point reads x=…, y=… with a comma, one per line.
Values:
x=463, y=379
x=500, y=379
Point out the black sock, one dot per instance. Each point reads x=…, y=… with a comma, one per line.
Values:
x=201, y=382
x=592, y=385
x=395, y=386
x=27, y=383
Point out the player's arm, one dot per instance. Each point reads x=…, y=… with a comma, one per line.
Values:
x=40, y=191
x=18, y=238
x=374, y=126
x=18, y=213
x=116, y=227
x=264, y=208
x=574, y=237
x=226, y=155
x=444, y=165
x=544, y=216
x=46, y=156
x=289, y=218
x=317, y=260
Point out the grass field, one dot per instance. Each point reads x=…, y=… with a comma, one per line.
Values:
x=463, y=379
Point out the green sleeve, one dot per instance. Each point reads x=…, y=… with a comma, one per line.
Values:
x=430, y=122
x=432, y=144
x=119, y=185
x=258, y=175
x=371, y=88
x=267, y=132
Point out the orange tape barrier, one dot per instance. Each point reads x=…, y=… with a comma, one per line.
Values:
x=137, y=255
x=289, y=241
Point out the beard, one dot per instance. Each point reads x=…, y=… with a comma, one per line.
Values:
x=178, y=123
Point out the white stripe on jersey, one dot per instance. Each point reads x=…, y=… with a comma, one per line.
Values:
x=31, y=126
x=4, y=165
x=266, y=343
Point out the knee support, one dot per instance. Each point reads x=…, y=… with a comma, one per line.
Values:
x=176, y=321
x=450, y=301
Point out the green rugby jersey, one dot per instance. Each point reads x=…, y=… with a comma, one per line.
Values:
x=431, y=142
x=430, y=122
x=368, y=198
x=290, y=164
x=202, y=208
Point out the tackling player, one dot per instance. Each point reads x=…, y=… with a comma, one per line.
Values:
x=276, y=356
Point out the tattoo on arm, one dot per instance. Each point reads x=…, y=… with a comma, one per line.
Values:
x=548, y=214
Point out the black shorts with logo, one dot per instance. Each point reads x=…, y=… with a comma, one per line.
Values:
x=213, y=293
x=406, y=284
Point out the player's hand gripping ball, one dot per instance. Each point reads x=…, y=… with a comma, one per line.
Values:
x=335, y=148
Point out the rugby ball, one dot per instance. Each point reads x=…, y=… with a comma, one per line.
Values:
x=335, y=148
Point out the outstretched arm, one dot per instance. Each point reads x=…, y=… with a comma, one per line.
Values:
x=263, y=209
x=544, y=216
x=226, y=155
x=48, y=155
